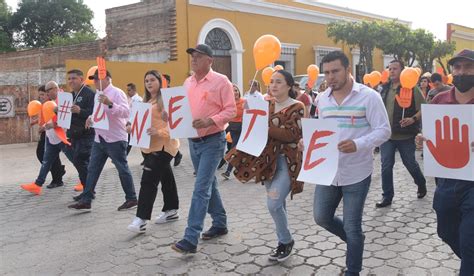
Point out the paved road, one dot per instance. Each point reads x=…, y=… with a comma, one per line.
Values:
x=39, y=235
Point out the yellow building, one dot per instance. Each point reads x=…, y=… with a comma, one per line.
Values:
x=461, y=35
x=232, y=27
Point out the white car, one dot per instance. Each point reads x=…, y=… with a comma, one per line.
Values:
x=303, y=79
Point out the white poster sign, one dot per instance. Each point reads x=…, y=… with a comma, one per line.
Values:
x=449, y=130
x=180, y=119
x=140, y=117
x=99, y=117
x=320, y=156
x=254, y=135
x=64, y=115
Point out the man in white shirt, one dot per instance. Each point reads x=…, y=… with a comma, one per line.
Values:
x=132, y=94
x=363, y=124
x=254, y=91
x=132, y=97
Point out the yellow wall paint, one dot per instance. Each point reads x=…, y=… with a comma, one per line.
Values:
x=126, y=72
x=190, y=19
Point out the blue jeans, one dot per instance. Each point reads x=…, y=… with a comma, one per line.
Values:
x=406, y=148
x=277, y=190
x=349, y=229
x=454, y=205
x=51, y=154
x=117, y=151
x=205, y=156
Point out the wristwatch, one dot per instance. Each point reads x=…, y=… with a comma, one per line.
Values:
x=414, y=118
x=111, y=105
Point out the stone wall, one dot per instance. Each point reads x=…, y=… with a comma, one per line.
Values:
x=143, y=32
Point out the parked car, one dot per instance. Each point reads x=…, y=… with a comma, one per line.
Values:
x=303, y=79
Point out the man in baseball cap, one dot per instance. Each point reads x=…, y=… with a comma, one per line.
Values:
x=452, y=199
x=465, y=54
x=200, y=48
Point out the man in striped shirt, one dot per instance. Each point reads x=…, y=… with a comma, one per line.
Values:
x=363, y=125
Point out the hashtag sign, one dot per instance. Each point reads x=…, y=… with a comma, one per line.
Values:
x=64, y=110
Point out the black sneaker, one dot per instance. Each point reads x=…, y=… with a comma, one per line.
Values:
x=79, y=197
x=80, y=206
x=177, y=159
x=281, y=252
x=214, y=232
x=53, y=185
x=184, y=247
x=128, y=204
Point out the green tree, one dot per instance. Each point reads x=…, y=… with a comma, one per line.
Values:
x=362, y=35
x=76, y=38
x=6, y=36
x=442, y=49
x=37, y=22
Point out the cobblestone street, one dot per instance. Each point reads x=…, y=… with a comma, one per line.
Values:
x=40, y=235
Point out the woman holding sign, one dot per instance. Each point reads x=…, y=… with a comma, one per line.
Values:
x=157, y=167
x=278, y=165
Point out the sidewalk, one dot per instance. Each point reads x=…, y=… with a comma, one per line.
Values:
x=40, y=236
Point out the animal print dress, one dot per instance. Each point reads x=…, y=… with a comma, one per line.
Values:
x=284, y=133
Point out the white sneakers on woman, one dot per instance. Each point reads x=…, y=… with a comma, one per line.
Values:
x=138, y=225
x=167, y=216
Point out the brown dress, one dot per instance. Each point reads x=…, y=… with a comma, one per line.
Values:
x=283, y=136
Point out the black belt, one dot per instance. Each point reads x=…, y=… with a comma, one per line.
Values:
x=204, y=138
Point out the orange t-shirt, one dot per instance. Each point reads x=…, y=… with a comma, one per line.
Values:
x=240, y=111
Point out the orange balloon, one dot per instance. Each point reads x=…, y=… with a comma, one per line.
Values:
x=409, y=78
x=313, y=71
x=450, y=79
x=418, y=70
x=375, y=78
x=266, y=50
x=90, y=73
x=385, y=74
x=366, y=79
x=34, y=108
x=48, y=110
x=267, y=75
x=278, y=67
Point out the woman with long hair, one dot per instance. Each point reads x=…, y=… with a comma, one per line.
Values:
x=280, y=162
x=235, y=126
x=156, y=166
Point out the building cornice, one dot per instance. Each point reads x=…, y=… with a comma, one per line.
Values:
x=463, y=35
x=288, y=12
x=349, y=10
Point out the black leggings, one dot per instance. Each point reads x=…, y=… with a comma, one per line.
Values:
x=157, y=169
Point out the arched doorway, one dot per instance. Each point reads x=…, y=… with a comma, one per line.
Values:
x=235, y=51
x=220, y=43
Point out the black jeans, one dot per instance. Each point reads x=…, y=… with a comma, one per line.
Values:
x=156, y=169
x=81, y=153
x=57, y=169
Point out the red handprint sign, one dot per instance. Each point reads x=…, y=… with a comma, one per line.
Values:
x=404, y=99
x=450, y=151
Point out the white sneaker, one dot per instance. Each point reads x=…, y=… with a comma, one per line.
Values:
x=170, y=215
x=138, y=225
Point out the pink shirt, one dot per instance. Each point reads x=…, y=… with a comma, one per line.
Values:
x=118, y=116
x=211, y=97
